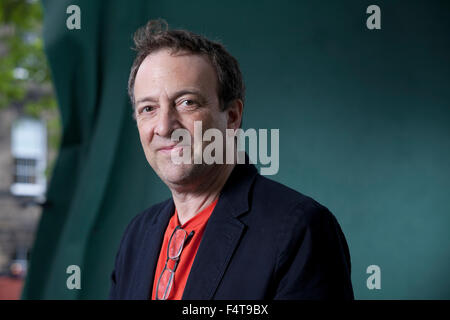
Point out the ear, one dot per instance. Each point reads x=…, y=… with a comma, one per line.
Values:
x=234, y=114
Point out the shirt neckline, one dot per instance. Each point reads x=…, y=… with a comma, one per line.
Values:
x=199, y=218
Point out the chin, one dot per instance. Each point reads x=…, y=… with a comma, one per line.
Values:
x=176, y=174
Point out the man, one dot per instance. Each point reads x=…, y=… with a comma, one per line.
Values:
x=227, y=232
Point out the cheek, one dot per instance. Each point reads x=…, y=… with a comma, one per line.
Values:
x=145, y=133
x=212, y=120
x=218, y=121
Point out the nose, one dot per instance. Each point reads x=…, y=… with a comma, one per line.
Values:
x=167, y=121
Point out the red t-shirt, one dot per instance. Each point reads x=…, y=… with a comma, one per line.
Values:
x=196, y=224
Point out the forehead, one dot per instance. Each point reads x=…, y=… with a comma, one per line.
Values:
x=162, y=71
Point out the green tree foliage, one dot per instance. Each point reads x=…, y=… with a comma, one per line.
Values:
x=24, y=73
x=25, y=80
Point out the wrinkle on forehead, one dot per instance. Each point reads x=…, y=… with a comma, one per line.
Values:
x=162, y=73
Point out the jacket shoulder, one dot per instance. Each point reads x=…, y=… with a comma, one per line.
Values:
x=144, y=218
x=283, y=199
x=136, y=228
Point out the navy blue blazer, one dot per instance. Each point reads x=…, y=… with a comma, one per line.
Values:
x=262, y=241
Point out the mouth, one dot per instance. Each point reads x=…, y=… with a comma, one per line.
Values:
x=169, y=149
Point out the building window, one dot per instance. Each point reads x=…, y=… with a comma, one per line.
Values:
x=25, y=170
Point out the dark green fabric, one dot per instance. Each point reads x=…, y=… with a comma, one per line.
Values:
x=363, y=117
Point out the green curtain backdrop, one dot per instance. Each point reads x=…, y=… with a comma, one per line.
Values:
x=364, y=119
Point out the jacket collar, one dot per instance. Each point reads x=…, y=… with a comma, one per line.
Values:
x=222, y=235
x=237, y=188
x=219, y=241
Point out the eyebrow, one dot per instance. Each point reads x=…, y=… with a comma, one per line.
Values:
x=175, y=95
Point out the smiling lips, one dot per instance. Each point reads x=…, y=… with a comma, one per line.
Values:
x=169, y=148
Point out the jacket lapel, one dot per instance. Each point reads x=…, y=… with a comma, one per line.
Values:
x=221, y=236
x=149, y=253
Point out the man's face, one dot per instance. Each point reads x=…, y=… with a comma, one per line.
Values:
x=171, y=92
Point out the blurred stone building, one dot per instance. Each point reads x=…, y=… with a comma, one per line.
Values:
x=19, y=216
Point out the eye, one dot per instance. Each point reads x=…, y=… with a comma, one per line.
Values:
x=188, y=103
x=147, y=109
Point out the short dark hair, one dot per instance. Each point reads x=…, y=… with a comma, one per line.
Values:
x=155, y=35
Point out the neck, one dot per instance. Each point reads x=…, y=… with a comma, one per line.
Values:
x=191, y=202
